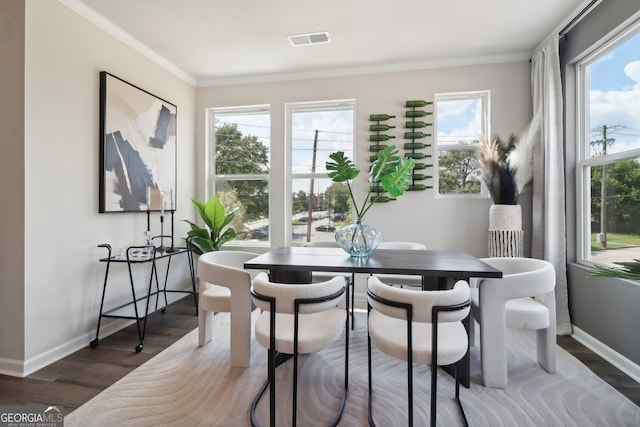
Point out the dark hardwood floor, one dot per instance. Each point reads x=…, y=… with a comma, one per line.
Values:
x=74, y=380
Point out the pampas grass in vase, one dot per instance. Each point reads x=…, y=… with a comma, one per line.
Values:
x=506, y=166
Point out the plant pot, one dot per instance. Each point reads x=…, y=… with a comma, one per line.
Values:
x=505, y=231
x=358, y=239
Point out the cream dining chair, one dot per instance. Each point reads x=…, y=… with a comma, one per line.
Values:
x=224, y=286
x=524, y=299
x=419, y=327
x=298, y=319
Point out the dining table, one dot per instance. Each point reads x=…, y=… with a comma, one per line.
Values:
x=439, y=269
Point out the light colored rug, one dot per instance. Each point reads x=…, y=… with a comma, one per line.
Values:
x=187, y=385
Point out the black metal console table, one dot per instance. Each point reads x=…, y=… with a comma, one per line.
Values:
x=138, y=308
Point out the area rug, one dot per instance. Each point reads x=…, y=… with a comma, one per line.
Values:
x=187, y=385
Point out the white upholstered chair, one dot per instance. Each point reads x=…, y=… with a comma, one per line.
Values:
x=523, y=298
x=422, y=327
x=295, y=319
x=402, y=280
x=224, y=286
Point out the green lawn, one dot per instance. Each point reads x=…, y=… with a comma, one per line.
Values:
x=616, y=240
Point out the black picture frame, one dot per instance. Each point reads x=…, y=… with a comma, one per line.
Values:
x=138, y=148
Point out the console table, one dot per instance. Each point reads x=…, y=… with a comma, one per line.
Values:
x=139, y=307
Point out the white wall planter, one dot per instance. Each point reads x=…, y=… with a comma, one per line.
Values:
x=505, y=231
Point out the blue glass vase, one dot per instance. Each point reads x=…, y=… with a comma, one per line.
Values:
x=358, y=239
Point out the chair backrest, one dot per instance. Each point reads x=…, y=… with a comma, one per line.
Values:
x=323, y=244
x=422, y=301
x=525, y=276
x=402, y=245
x=225, y=267
x=286, y=294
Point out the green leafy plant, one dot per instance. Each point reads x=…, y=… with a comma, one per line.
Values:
x=392, y=171
x=630, y=270
x=217, y=231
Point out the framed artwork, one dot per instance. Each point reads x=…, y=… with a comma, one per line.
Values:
x=137, y=148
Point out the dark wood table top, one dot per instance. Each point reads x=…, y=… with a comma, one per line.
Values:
x=430, y=263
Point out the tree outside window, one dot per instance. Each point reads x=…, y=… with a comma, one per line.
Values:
x=460, y=120
x=240, y=159
x=610, y=152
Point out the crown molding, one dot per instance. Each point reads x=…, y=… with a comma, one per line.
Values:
x=371, y=69
x=126, y=38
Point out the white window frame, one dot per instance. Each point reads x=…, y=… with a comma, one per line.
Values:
x=210, y=163
x=294, y=107
x=485, y=100
x=583, y=135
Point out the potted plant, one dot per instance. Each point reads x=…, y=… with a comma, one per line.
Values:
x=506, y=167
x=629, y=270
x=394, y=175
x=216, y=231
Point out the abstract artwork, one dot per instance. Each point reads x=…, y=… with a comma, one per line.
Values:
x=137, y=148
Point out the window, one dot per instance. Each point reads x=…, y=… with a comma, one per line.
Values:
x=239, y=167
x=460, y=120
x=315, y=130
x=609, y=151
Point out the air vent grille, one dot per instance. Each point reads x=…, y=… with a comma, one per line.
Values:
x=309, y=38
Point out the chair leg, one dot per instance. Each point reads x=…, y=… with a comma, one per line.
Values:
x=272, y=388
x=493, y=353
x=410, y=391
x=370, y=404
x=473, y=331
x=434, y=393
x=457, y=380
x=205, y=326
x=546, y=338
x=345, y=390
x=294, y=404
x=353, y=303
x=546, y=349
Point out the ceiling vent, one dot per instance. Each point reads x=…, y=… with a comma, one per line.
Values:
x=309, y=38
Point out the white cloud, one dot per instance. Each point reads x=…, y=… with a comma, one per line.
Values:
x=618, y=107
x=632, y=70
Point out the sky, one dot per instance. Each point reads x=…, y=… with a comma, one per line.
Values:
x=614, y=85
x=458, y=120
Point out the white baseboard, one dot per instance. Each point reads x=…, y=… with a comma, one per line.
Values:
x=21, y=369
x=11, y=367
x=607, y=353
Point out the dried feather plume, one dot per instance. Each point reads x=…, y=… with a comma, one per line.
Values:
x=521, y=157
x=506, y=166
x=496, y=170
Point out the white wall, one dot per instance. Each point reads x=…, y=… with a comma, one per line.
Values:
x=11, y=181
x=417, y=216
x=63, y=278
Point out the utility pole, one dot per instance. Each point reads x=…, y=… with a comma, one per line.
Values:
x=310, y=198
x=603, y=192
x=604, y=142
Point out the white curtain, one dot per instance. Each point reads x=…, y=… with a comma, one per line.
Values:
x=549, y=235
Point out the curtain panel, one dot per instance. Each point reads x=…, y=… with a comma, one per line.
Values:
x=548, y=217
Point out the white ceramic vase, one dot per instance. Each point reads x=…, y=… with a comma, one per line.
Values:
x=505, y=231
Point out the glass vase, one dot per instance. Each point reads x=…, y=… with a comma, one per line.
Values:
x=358, y=239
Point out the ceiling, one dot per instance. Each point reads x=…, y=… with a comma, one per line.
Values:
x=231, y=41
